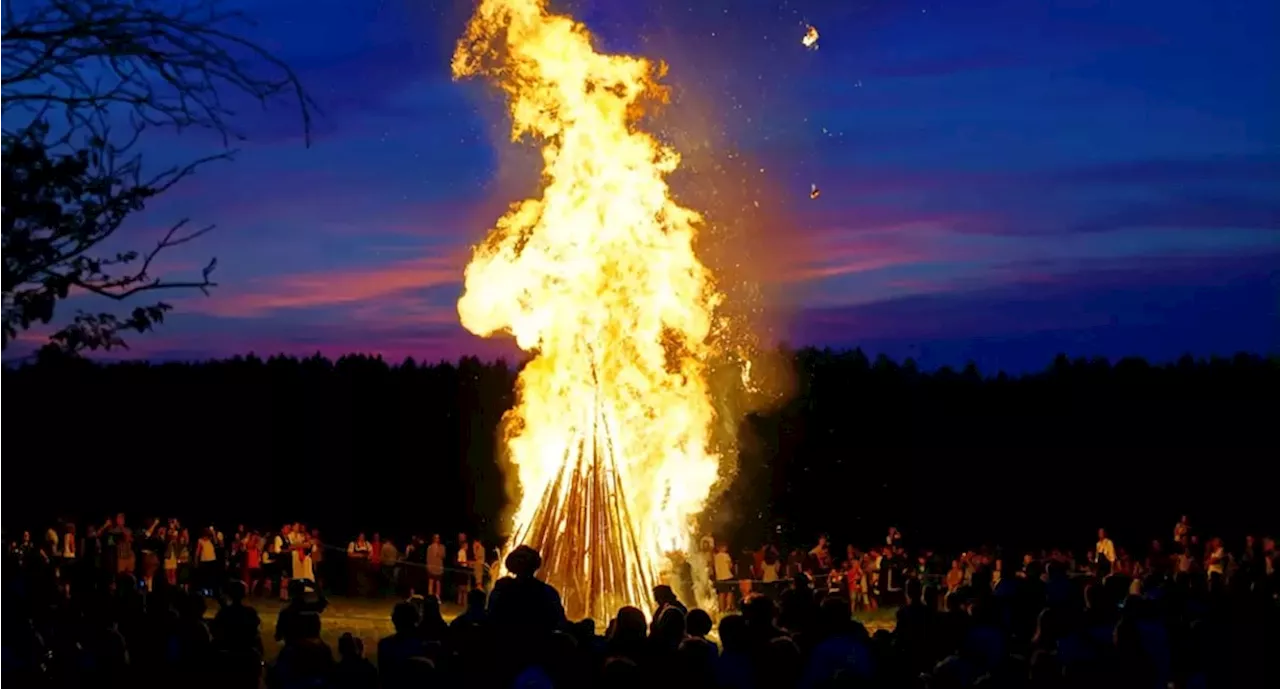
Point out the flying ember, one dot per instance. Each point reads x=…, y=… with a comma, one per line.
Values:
x=810, y=39
x=597, y=276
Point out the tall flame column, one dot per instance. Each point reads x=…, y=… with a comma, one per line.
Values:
x=598, y=277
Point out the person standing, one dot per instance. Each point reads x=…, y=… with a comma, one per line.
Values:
x=389, y=558
x=125, y=559
x=722, y=564
x=271, y=562
x=462, y=577
x=435, y=565
x=1215, y=561
x=477, y=564
x=1181, y=530
x=303, y=564
x=317, y=558
x=67, y=552
x=113, y=532
x=182, y=552
x=358, y=553
x=253, y=562
x=284, y=559
x=1105, y=552
x=207, y=563
x=171, y=559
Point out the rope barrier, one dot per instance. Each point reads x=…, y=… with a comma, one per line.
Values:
x=375, y=559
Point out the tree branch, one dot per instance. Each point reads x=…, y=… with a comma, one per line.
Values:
x=103, y=72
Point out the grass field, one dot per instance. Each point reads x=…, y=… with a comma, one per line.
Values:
x=370, y=620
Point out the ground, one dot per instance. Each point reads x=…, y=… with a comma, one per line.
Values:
x=366, y=618
x=370, y=619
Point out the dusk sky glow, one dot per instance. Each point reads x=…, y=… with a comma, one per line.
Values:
x=1000, y=181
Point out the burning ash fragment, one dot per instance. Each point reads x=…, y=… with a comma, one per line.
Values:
x=810, y=39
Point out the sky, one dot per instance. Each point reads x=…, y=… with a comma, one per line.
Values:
x=1000, y=181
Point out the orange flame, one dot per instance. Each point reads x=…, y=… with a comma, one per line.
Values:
x=598, y=276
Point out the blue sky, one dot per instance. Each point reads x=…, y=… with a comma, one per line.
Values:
x=1000, y=181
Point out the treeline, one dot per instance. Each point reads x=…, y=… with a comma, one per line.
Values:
x=360, y=443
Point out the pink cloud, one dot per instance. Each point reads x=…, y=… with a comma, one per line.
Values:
x=865, y=242
x=330, y=288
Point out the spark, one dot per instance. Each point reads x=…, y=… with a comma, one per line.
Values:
x=810, y=39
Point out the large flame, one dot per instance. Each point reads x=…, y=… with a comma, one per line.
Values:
x=599, y=278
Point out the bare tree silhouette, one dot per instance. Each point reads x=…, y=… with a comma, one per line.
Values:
x=86, y=79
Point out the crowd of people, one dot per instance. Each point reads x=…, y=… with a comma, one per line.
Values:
x=875, y=577
x=266, y=561
x=1189, y=612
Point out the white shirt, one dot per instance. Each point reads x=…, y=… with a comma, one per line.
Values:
x=724, y=567
x=1107, y=549
x=68, y=546
x=462, y=555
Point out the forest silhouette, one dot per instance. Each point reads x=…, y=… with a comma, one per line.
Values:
x=358, y=443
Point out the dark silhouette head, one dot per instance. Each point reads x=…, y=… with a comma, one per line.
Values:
x=758, y=610
x=350, y=647
x=698, y=623
x=622, y=673
x=629, y=625
x=523, y=562
x=404, y=617
x=663, y=595
x=733, y=633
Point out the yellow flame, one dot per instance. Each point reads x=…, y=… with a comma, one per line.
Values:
x=598, y=276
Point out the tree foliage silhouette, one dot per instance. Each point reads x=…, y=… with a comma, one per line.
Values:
x=358, y=443
x=83, y=80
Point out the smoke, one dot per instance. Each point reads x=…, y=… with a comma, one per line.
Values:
x=747, y=218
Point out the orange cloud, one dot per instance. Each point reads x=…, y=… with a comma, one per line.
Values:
x=329, y=288
x=835, y=252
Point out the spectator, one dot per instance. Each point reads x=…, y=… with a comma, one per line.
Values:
x=395, y=651
x=435, y=566
x=722, y=564
x=478, y=567
x=462, y=573
x=353, y=670
x=236, y=625
x=306, y=660
x=207, y=563
x=287, y=622
x=359, y=553
x=1063, y=628
x=475, y=613
x=388, y=557
x=1105, y=552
